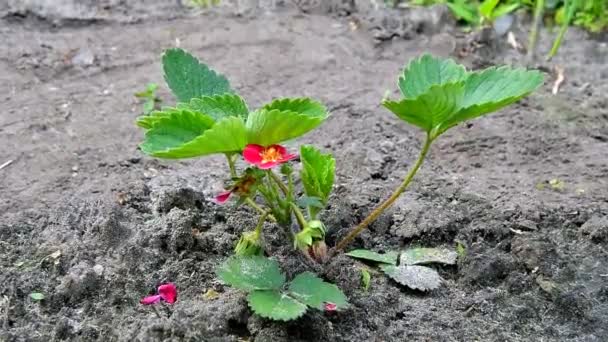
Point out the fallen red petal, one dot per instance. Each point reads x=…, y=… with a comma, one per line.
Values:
x=149, y=300
x=168, y=292
x=330, y=306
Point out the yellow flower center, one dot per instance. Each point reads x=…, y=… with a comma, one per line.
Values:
x=270, y=154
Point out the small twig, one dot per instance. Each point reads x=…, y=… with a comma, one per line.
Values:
x=6, y=164
x=558, y=80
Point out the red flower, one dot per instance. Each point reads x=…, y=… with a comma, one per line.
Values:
x=266, y=157
x=166, y=292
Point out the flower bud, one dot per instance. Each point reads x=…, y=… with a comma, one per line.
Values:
x=249, y=244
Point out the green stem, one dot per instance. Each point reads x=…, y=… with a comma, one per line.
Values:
x=279, y=182
x=376, y=212
x=299, y=215
x=231, y=165
x=533, y=37
x=570, y=6
x=260, y=225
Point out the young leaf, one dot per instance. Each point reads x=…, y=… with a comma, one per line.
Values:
x=492, y=89
x=307, y=201
x=275, y=305
x=37, y=296
x=284, y=119
x=303, y=105
x=148, y=121
x=317, y=174
x=366, y=279
x=464, y=11
x=386, y=258
x=314, y=292
x=504, y=9
x=415, y=277
x=487, y=7
x=188, y=78
x=251, y=273
x=186, y=134
x=431, y=109
x=218, y=106
x=421, y=256
x=426, y=71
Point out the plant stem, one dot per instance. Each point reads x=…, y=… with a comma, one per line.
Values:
x=299, y=215
x=570, y=6
x=260, y=225
x=279, y=182
x=376, y=212
x=533, y=37
x=248, y=200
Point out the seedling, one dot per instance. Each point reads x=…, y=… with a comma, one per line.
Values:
x=211, y=118
x=151, y=101
x=268, y=294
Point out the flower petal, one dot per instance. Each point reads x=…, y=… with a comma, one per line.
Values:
x=149, y=300
x=222, y=197
x=252, y=153
x=168, y=292
x=288, y=157
x=268, y=165
x=329, y=306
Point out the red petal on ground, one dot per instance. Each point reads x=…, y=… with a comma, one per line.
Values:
x=330, y=306
x=168, y=292
x=150, y=300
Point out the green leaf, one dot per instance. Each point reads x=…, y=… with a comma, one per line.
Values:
x=218, y=106
x=487, y=7
x=427, y=71
x=421, y=256
x=366, y=279
x=251, y=273
x=186, y=134
x=148, y=121
x=188, y=78
x=492, y=89
x=386, y=258
x=317, y=174
x=307, y=201
x=302, y=105
x=284, y=119
x=37, y=296
x=415, y=277
x=504, y=10
x=309, y=289
x=431, y=109
x=464, y=11
x=275, y=305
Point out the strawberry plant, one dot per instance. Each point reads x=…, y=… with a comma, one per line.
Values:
x=211, y=118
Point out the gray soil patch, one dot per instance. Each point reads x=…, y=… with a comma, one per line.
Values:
x=94, y=225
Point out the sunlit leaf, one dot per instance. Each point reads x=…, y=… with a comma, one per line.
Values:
x=275, y=305
x=427, y=71
x=422, y=255
x=251, y=273
x=188, y=78
x=317, y=174
x=218, y=106
x=386, y=258
x=186, y=134
x=309, y=289
x=415, y=277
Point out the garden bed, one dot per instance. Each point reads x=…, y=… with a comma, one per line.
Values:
x=94, y=225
